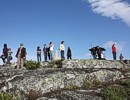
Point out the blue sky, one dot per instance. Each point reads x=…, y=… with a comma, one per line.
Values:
x=80, y=23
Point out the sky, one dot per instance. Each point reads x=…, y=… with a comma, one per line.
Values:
x=82, y=24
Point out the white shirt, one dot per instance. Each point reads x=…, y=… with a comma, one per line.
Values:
x=52, y=48
x=62, y=47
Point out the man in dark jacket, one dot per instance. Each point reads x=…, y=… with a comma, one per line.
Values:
x=5, y=53
x=45, y=52
x=21, y=55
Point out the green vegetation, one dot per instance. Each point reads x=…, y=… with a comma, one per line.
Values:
x=31, y=65
x=96, y=83
x=114, y=92
x=6, y=96
x=71, y=87
x=55, y=64
x=127, y=83
x=86, y=84
x=33, y=94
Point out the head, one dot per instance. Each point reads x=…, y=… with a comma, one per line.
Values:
x=38, y=47
x=5, y=45
x=44, y=45
x=50, y=42
x=68, y=47
x=62, y=42
x=21, y=44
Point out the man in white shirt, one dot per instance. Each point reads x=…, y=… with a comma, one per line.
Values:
x=62, y=49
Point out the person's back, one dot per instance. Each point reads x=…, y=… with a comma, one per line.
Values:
x=69, y=55
x=121, y=57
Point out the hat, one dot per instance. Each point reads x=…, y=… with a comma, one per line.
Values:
x=21, y=44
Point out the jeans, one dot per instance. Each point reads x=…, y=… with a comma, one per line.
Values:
x=45, y=56
x=94, y=56
x=8, y=59
x=39, y=57
x=62, y=54
x=114, y=55
x=51, y=55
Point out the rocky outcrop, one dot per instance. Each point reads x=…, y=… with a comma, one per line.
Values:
x=74, y=75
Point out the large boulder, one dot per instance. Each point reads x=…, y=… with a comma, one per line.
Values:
x=73, y=74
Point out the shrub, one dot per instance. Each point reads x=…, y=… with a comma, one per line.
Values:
x=6, y=96
x=71, y=87
x=86, y=84
x=127, y=82
x=58, y=63
x=33, y=94
x=55, y=64
x=96, y=82
x=114, y=92
x=31, y=65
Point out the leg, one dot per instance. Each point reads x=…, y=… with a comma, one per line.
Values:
x=114, y=55
x=51, y=55
x=21, y=62
x=67, y=57
x=18, y=62
x=63, y=55
x=8, y=60
x=38, y=58
x=45, y=56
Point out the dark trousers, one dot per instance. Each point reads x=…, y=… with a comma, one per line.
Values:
x=38, y=57
x=48, y=55
x=45, y=56
x=62, y=54
x=69, y=57
x=99, y=56
x=114, y=55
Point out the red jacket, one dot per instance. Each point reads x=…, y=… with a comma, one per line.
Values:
x=113, y=48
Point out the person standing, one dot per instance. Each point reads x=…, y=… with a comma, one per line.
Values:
x=99, y=52
x=121, y=57
x=9, y=56
x=48, y=53
x=45, y=52
x=5, y=54
x=51, y=50
x=69, y=54
x=38, y=54
x=62, y=50
x=20, y=55
x=114, y=51
x=94, y=53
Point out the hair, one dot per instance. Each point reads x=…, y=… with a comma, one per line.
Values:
x=5, y=45
x=44, y=44
x=50, y=42
x=38, y=47
x=62, y=42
